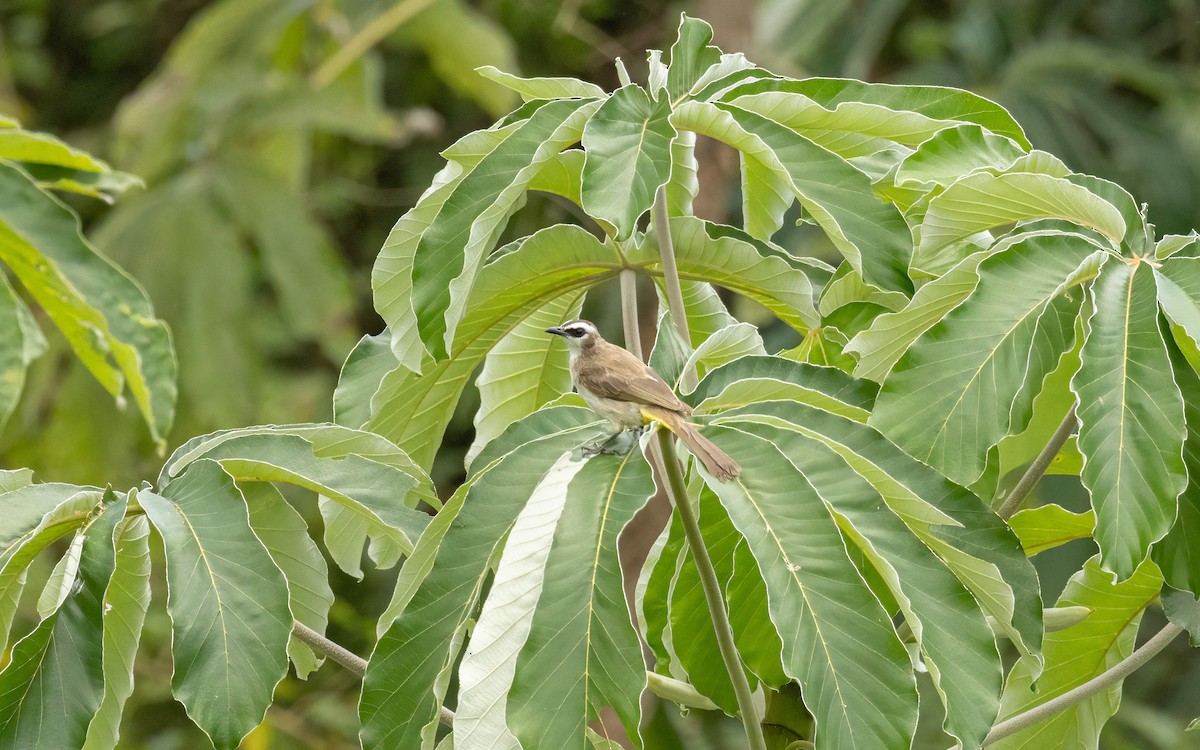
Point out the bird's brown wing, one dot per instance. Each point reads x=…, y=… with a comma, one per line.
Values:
x=626, y=378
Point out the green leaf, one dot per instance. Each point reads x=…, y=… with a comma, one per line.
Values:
x=365, y=367
x=940, y=400
x=35, y=516
x=883, y=344
x=1076, y=655
x=1178, y=284
x=964, y=532
x=124, y=610
x=1185, y=245
x=826, y=388
x=837, y=638
x=984, y=201
x=1178, y=554
x=541, y=88
x=576, y=651
x=20, y=343
x=683, y=185
x=102, y=311
x=1049, y=526
x=950, y=628
x=628, y=145
x=956, y=152
x=1131, y=431
x=41, y=148
x=284, y=534
x=1183, y=609
x=755, y=634
x=429, y=263
x=407, y=674
x=726, y=345
x=373, y=483
x=413, y=410
x=870, y=234
x=228, y=603
x=936, y=102
x=54, y=681
x=691, y=57
x=526, y=370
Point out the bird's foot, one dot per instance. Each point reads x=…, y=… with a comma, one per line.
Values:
x=617, y=444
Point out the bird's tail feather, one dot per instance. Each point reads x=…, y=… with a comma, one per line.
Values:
x=716, y=461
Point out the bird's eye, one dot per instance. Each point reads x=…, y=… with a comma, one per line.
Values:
x=577, y=332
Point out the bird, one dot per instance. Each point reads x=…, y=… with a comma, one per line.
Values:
x=618, y=386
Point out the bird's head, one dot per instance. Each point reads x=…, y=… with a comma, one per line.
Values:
x=579, y=334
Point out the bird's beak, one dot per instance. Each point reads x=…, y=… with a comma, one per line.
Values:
x=556, y=330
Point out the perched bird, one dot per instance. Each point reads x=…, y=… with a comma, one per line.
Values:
x=623, y=390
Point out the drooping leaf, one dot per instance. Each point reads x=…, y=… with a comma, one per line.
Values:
x=1049, y=526
x=1131, y=421
x=955, y=152
x=526, y=370
x=581, y=652
x=365, y=367
x=102, y=311
x=872, y=235
x=228, y=603
x=20, y=343
x=950, y=627
x=1177, y=282
x=1178, y=553
x=940, y=401
x=124, y=610
x=42, y=148
x=54, y=681
x=936, y=102
x=835, y=633
x=628, y=145
x=879, y=347
x=1076, y=655
x=1183, y=609
x=430, y=261
x=284, y=534
x=405, y=679
x=750, y=379
x=541, y=88
x=372, y=485
x=984, y=201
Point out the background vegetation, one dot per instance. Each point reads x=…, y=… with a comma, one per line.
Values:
x=257, y=146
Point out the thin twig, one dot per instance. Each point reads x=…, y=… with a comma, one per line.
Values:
x=677, y=491
x=1038, y=468
x=1110, y=677
x=666, y=251
x=344, y=657
x=366, y=38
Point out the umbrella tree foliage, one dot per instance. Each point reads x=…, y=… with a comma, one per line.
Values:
x=981, y=284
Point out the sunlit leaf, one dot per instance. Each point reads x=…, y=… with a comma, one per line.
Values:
x=1049, y=526
x=541, y=88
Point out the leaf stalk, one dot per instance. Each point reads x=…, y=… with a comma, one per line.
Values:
x=1038, y=468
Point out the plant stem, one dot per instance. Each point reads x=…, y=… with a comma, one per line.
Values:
x=342, y=656
x=1118, y=672
x=666, y=251
x=366, y=38
x=1037, y=469
x=629, y=312
x=677, y=491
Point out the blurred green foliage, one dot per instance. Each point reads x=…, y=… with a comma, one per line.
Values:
x=273, y=176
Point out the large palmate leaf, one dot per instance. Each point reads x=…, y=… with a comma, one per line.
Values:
x=934, y=102
x=1131, y=430
x=413, y=410
x=971, y=378
x=1077, y=654
x=837, y=638
x=554, y=644
x=440, y=586
x=228, y=603
x=428, y=265
x=872, y=235
x=368, y=485
x=125, y=602
x=984, y=201
x=102, y=312
x=54, y=681
x=628, y=145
